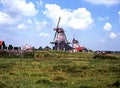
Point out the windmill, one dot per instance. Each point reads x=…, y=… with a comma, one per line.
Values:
x=60, y=41
x=77, y=47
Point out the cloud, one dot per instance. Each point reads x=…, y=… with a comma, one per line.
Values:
x=44, y=34
x=39, y=3
x=29, y=21
x=107, y=27
x=6, y=19
x=119, y=12
x=19, y=7
x=112, y=35
x=21, y=26
x=103, y=18
x=119, y=16
x=16, y=12
x=79, y=19
x=104, y=2
x=40, y=25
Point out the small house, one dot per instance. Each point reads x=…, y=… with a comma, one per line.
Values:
x=2, y=44
x=47, y=48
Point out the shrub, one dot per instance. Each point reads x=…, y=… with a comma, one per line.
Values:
x=4, y=54
x=16, y=54
x=100, y=56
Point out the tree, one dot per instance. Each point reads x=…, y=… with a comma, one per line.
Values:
x=10, y=47
x=40, y=48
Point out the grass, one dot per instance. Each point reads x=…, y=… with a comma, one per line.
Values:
x=60, y=73
x=61, y=54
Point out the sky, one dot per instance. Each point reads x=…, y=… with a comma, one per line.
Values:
x=94, y=23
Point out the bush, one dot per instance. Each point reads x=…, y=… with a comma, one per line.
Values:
x=4, y=54
x=16, y=54
x=100, y=56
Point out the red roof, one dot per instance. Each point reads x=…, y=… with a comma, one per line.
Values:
x=80, y=48
x=1, y=42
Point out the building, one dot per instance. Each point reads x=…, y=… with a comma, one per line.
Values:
x=2, y=44
x=60, y=41
x=77, y=47
x=47, y=48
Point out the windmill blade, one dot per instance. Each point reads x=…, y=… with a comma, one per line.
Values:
x=66, y=39
x=58, y=22
x=55, y=36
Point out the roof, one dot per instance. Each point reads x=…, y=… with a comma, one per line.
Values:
x=47, y=48
x=80, y=48
x=59, y=30
x=1, y=42
x=74, y=41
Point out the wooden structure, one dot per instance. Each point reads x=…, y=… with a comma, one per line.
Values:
x=77, y=47
x=2, y=44
x=60, y=41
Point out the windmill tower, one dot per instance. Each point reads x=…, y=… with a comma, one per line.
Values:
x=76, y=45
x=60, y=41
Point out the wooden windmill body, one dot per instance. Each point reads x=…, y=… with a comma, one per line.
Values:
x=77, y=47
x=60, y=41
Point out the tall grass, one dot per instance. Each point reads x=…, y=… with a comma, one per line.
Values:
x=47, y=72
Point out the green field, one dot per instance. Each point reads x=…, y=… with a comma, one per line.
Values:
x=69, y=72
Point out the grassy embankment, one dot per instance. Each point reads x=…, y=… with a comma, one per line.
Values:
x=75, y=70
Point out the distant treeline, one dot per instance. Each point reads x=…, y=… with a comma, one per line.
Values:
x=109, y=52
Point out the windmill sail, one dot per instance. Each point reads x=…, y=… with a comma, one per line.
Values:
x=58, y=22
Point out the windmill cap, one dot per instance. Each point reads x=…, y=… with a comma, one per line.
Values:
x=59, y=30
x=75, y=41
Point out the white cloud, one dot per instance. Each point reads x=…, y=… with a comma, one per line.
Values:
x=6, y=19
x=104, y=2
x=39, y=3
x=40, y=25
x=29, y=21
x=119, y=16
x=119, y=12
x=21, y=26
x=77, y=19
x=16, y=12
x=44, y=34
x=107, y=27
x=19, y=7
x=112, y=35
x=103, y=18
